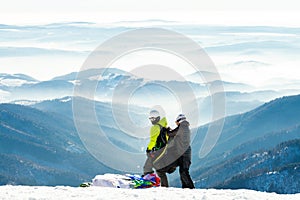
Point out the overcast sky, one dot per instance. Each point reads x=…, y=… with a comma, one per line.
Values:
x=140, y=5
x=233, y=12
x=208, y=12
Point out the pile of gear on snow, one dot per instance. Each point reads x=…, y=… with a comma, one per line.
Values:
x=124, y=181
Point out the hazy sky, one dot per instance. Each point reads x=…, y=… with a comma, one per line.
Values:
x=212, y=12
x=253, y=12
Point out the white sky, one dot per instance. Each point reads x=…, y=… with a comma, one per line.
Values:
x=138, y=5
x=213, y=12
x=234, y=12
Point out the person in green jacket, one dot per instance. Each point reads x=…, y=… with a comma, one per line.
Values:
x=155, y=145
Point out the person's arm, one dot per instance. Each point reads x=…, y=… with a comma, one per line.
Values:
x=172, y=133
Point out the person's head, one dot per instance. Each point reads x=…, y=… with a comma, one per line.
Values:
x=154, y=116
x=180, y=118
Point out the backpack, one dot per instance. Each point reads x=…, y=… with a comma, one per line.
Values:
x=162, y=139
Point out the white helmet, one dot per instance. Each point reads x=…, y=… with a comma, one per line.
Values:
x=180, y=117
x=154, y=114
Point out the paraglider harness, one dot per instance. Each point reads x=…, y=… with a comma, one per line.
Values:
x=160, y=149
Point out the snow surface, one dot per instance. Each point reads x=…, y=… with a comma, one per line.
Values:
x=65, y=192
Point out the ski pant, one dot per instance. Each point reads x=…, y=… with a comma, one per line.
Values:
x=148, y=169
x=148, y=166
x=184, y=163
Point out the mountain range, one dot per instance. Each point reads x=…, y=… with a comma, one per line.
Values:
x=257, y=149
x=251, y=147
x=240, y=98
x=39, y=148
x=40, y=144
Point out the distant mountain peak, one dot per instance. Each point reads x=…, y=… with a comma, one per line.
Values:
x=251, y=62
x=16, y=80
x=86, y=74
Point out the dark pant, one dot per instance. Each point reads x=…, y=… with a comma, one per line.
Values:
x=163, y=179
x=184, y=163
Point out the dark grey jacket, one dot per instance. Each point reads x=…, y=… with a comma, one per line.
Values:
x=178, y=144
x=182, y=137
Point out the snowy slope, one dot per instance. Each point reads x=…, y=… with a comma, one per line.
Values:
x=62, y=192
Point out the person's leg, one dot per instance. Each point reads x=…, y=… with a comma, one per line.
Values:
x=148, y=166
x=163, y=179
x=184, y=166
x=186, y=179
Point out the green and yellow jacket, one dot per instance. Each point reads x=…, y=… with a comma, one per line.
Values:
x=154, y=132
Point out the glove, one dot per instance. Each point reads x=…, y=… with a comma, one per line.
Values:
x=150, y=153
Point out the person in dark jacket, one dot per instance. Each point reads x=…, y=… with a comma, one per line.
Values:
x=182, y=135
